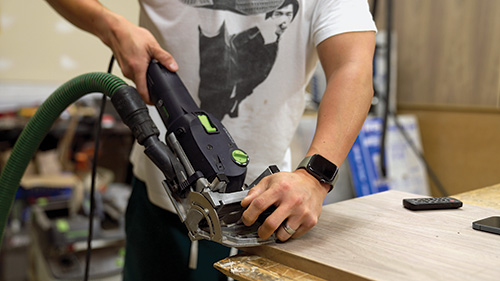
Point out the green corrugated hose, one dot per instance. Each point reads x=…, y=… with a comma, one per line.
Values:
x=38, y=127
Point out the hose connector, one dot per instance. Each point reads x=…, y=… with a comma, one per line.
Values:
x=134, y=113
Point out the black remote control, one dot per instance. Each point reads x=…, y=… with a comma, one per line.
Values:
x=432, y=203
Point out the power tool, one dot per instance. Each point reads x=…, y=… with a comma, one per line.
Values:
x=203, y=167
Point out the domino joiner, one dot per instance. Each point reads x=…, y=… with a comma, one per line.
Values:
x=203, y=167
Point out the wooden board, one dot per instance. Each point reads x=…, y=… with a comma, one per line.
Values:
x=447, y=52
x=461, y=147
x=245, y=267
x=486, y=197
x=375, y=238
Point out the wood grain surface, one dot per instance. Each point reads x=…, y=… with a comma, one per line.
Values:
x=375, y=238
x=448, y=52
x=485, y=197
x=245, y=267
x=461, y=147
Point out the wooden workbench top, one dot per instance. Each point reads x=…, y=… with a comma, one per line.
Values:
x=375, y=238
x=484, y=197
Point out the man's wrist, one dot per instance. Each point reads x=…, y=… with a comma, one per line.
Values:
x=322, y=169
x=108, y=26
x=324, y=186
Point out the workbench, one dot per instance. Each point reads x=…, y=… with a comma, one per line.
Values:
x=376, y=238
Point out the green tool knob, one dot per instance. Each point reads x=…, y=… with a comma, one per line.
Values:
x=240, y=157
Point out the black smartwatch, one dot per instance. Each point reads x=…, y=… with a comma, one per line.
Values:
x=320, y=168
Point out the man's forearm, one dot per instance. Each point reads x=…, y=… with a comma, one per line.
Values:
x=88, y=15
x=342, y=112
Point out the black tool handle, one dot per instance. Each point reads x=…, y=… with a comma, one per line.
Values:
x=168, y=93
x=204, y=140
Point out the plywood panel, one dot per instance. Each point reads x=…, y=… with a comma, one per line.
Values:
x=245, y=267
x=375, y=238
x=461, y=146
x=486, y=197
x=448, y=52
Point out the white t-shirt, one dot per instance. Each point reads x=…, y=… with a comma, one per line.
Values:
x=247, y=62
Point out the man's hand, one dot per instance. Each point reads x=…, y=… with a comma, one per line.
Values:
x=298, y=198
x=134, y=47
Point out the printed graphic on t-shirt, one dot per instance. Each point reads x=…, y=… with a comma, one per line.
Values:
x=244, y=7
x=233, y=65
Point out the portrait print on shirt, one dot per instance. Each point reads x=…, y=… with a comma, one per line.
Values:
x=233, y=65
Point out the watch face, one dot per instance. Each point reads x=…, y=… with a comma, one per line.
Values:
x=322, y=167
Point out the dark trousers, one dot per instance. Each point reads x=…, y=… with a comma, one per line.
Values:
x=157, y=246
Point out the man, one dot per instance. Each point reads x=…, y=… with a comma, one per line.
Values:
x=264, y=118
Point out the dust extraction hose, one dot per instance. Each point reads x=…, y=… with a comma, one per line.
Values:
x=39, y=125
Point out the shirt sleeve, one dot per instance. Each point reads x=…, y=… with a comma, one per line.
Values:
x=332, y=17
